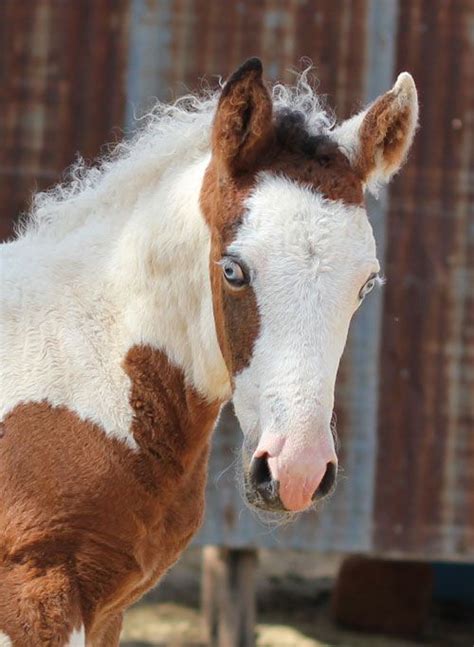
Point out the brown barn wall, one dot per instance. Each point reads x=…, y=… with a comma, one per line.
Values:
x=425, y=481
x=61, y=91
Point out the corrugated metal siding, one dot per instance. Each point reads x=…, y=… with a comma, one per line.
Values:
x=61, y=90
x=425, y=481
x=204, y=40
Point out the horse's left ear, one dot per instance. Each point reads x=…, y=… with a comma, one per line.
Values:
x=378, y=139
x=242, y=127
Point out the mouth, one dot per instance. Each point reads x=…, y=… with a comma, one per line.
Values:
x=261, y=491
x=265, y=498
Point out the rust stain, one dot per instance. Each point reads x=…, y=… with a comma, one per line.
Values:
x=425, y=482
x=61, y=91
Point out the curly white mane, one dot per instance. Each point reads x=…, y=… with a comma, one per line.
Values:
x=167, y=136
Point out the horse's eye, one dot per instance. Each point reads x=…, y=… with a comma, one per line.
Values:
x=368, y=286
x=234, y=273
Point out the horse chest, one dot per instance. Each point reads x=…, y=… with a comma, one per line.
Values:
x=72, y=493
x=122, y=516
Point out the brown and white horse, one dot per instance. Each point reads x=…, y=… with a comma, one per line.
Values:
x=220, y=254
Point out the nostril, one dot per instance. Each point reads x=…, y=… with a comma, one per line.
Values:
x=328, y=482
x=260, y=471
x=263, y=482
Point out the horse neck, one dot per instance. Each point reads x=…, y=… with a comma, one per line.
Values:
x=160, y=275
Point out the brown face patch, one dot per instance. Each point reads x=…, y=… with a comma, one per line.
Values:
x=86, y=524
x=235, y=312
x=313, y=161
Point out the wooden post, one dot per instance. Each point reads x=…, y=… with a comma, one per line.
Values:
x=228, y=596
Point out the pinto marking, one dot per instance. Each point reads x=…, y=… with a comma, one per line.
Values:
x=121, y=338
x=295, y=251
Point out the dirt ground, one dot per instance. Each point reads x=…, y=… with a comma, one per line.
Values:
x=293, y=609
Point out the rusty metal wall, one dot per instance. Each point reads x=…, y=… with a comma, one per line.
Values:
x=72, y=71
x=425, y=468
x=174, y=44
x=61, y=90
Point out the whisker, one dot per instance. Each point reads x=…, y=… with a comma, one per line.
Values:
x=333, y=428
x=225, y=470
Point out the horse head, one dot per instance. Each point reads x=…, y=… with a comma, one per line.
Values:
x=292, y=257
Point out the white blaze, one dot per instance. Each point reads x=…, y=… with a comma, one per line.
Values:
x=309, y=258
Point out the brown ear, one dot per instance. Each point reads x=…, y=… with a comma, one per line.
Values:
x=378, y=139
x=242, y=128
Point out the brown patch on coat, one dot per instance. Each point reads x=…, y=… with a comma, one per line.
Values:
x=87, y=525
x=236, y=313
x=384, y=134
x=325, y=170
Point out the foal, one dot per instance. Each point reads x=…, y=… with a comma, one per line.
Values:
x=221, y=254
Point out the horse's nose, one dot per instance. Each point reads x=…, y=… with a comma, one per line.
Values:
x=265, y=490
x=264, y=484
x=327, y=484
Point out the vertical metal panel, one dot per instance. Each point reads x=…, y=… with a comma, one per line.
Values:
x=425, y=481
x=359, y=391
x=174, y=45
x=148, y=56
x=61, y=90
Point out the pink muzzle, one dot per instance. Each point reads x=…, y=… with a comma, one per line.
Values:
x=300, y=470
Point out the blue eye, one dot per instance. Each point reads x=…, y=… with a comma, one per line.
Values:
x=234, y=274
x=368, y=286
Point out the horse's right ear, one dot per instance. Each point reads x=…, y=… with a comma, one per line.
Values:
x=242, y=127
